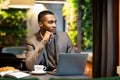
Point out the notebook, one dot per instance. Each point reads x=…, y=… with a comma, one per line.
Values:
x=71, y=64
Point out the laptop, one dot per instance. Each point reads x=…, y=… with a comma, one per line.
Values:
x=71, y=64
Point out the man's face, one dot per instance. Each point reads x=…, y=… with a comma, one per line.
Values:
x=48, y=23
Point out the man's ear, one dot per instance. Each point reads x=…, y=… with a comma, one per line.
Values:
x=40, y=24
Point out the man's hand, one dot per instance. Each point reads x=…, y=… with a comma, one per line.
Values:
x=47, y=36
x=54, y=70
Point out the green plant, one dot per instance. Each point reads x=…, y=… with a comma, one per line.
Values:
x=1, y=1
x=12, y=27
x=87, y=24
x=70, y=11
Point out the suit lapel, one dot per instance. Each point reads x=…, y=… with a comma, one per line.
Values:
x=56, y=45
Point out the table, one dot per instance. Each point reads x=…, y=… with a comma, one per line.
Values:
x=49, y=76
x=77, y=77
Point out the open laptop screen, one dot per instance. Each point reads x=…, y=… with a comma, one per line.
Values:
x=71, y=63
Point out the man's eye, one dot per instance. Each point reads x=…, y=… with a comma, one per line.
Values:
x=50, y=22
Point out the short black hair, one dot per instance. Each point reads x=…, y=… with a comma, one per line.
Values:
x=43, y=13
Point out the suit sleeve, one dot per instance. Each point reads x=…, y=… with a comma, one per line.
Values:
x=33, y=53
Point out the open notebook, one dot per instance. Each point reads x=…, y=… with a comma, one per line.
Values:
x=71, y=64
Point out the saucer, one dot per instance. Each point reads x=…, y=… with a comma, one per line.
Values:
x=38, y=72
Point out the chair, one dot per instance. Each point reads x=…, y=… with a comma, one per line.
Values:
x=15, y=50
x=9, y=59
x=19, y=52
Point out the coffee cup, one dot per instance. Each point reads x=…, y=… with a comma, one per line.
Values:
x=39, y=68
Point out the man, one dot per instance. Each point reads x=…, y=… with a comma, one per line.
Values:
x=45, y=46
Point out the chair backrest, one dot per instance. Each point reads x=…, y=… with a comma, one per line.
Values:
x=2, y=55
x=16, y=61
x=14, y=50
x=9, y=60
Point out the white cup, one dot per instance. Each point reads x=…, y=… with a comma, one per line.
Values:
x=39, y=68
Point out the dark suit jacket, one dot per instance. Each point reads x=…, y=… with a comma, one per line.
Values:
x=36, y=51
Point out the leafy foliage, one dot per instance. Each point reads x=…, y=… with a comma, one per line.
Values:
x=12, y=27
x=87, y=24
x=70, y=11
